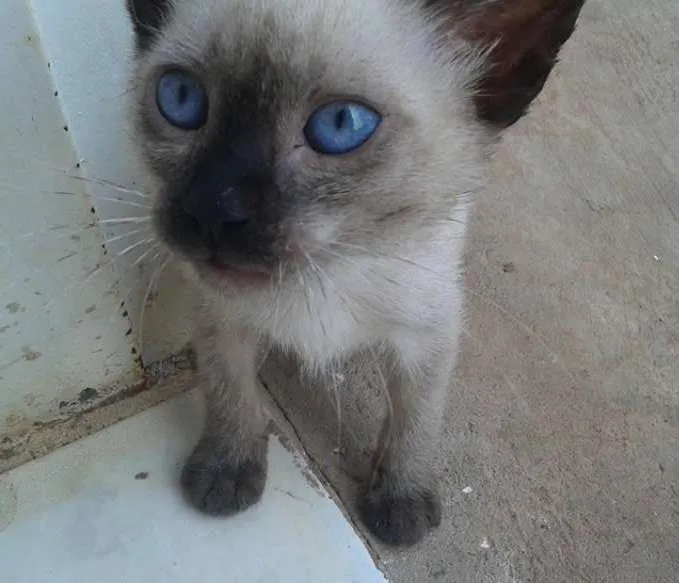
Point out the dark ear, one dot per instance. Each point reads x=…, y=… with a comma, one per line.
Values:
x=524, y=38
x=147, y=18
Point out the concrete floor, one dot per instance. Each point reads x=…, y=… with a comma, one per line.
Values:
x=561, y=451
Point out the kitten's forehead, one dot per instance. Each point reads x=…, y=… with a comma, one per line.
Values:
x=339, y=46
x=332, y=28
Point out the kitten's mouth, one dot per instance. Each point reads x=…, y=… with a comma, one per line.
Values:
x=242, y=274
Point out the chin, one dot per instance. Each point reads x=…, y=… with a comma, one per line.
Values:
x=226, y=277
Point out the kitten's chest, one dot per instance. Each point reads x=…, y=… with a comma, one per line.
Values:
x=320, y=325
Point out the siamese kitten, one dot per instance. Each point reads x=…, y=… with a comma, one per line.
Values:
x=314, y=162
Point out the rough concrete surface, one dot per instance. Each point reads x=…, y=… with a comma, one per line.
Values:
x=561, y=451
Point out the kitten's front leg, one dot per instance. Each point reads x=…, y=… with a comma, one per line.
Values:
x=402, y=502
x=226, y=472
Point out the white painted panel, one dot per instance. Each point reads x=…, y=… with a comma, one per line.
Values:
x=90, y=49
x=61, y=327
x=73, y=277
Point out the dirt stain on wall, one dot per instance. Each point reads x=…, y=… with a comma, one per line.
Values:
x=29, y=354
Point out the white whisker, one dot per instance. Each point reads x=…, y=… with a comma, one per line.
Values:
x=134, y=246
x=276, y=281
x=123, y=201
x=360, y=269
x=100, y=268
x=109, y=183
x=124, y=220
x=320, y=275
x=387, y=430
x=38, y=237
x=146, y=254
x=503, y=310
x=36, y=240
x=89, y=277
x=103, y=198
x=406, y=260
x=152, y=282
x=67, y=173
x=127, y=234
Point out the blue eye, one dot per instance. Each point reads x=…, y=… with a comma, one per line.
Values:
x=340, y=127
x=182, y=100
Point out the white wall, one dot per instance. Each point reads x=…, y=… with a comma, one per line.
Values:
x=63, y=325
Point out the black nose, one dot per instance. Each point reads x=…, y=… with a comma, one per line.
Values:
x=217, y=219
x=228, y=204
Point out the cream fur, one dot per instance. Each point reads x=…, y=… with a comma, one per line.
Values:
x=378, y=255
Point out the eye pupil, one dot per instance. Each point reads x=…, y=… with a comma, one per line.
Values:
x=341, y=118
x=341, y=127
x=183, y=94
x=182, y=100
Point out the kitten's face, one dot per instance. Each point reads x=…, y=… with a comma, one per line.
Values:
x=287, y=131
x=280, y=133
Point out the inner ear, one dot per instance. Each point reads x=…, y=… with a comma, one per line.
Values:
x=147, y=18
x=523, y=38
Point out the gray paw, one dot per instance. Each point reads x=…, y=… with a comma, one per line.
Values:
x=400, y=519
x=216, y=486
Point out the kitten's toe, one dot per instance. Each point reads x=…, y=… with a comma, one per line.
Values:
x=400, y=518
x=216, y=486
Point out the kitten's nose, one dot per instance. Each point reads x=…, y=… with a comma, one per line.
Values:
x=218, y=218
x=228, y=207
